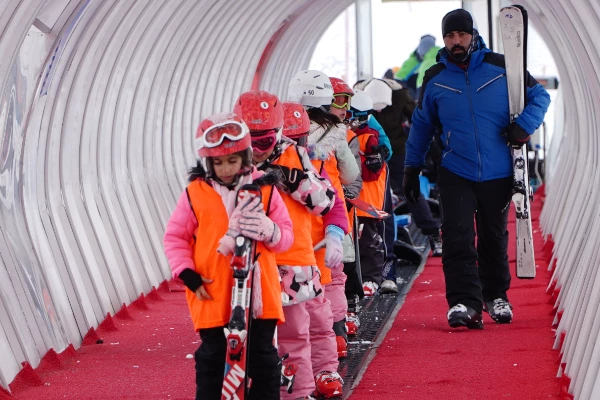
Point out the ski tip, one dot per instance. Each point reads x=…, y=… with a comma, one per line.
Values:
x=525, y=277
x=520, y=7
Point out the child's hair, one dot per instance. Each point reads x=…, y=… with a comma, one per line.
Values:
x=324, y=119
x=198, y=172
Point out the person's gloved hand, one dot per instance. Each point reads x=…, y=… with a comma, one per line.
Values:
x=195, y=282
x=382, y=150
x=347, y=193
x=227, y=242
x=248, y=205
x=256, y=225
x=411, y=184
x=374, y=162
x=515, y=135
x=334, y=251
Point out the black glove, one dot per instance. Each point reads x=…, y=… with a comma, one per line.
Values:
x=411, y=184
x=191, y=279
x=291, y=177
x=347, y=193
x=383, y=150
x=515, y=135
x=374, y=162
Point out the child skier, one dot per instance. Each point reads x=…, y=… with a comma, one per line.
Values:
x=330, y=155
x=307, y=335
x=206, y=213
x=374, y=173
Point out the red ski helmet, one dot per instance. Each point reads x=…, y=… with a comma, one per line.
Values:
x=342, y=93
x=263, y=113
x=297, y=122
x=220, y=135
x=340, y=87
x=260, y=110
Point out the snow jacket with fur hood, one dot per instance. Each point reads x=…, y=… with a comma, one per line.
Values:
x=324, y=142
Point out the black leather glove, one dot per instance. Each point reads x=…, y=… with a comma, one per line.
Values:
x=383, y=150
x=411, y=184
x=191, y=279
x=515, y=135
x=374, y=162
x=291, y=177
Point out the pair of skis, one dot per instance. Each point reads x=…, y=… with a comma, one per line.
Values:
x=236, y=382
x=513, y=25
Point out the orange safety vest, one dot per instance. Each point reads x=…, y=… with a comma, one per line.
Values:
x=301, y=253
x=213, y=222
x=318, y=228
x=372, y=192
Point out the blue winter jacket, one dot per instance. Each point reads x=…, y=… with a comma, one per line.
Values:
x=469, y=110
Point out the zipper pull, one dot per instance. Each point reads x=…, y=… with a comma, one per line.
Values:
x=467, y=76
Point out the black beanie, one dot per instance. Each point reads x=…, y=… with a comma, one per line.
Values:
x=458, y=20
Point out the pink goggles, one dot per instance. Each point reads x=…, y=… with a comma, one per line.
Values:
x=263, y=141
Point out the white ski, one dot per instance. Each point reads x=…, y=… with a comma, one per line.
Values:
x=513, y=23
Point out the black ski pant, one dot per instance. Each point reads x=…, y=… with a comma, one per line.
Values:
x=387, y=229
x=263, y=362
x=372, y=254
x=474, y=275
x=420, y=210
x=352, y=287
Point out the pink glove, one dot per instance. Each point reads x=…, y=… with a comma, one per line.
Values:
x=334, y=251
x=227, y=242
x=253, y=204
x=256, y=225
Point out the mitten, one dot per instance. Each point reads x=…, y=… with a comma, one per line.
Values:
x=411, y=184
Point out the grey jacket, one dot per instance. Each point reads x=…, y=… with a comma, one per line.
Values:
x=353, y=188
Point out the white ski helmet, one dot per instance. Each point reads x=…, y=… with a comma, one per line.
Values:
x=361, y=101
x=380, y=92
x=360, y=108
x=311, y=88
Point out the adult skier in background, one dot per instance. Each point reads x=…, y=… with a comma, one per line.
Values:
x=465, y=97
x=420, y=60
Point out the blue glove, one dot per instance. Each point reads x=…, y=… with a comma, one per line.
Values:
x=334, y=251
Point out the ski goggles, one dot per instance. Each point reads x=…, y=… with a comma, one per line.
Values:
x=215, y=135
x=341, y=101
x=264, y=141
x=352, y=115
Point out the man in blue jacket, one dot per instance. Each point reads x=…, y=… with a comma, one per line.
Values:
x=464, y=97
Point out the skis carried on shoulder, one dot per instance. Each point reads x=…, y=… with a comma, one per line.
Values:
x=236, y=382
x=513, y=26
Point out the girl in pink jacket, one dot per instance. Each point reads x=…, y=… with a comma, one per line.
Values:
x=199, y=240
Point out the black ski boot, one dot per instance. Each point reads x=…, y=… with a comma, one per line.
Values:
x=435, y=242
x=499, y=309
x=461, y=315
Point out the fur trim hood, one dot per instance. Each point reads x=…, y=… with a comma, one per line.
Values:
x=259, y=178
x=322, y=142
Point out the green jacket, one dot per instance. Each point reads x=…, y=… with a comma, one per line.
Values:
x=410, y=66
x=413, y=66
x=429, y=60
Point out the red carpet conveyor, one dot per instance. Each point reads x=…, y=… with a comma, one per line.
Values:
x=422, y=358
x=145, y=350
